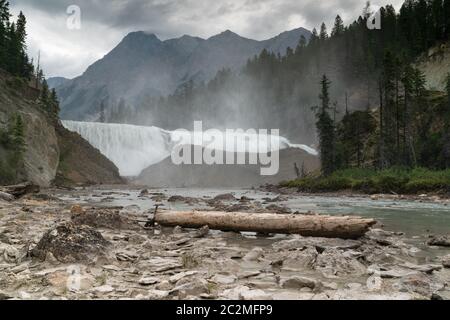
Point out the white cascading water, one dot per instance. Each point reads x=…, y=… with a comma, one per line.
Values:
x=134, y=148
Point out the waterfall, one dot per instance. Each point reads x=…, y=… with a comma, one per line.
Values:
x=134, y=148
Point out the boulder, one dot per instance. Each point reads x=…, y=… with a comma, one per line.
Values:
x=299, y=283
x=70, y=243
x=442, y=241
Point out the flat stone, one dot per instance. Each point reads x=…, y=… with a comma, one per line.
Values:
x=181, y=275
x=254, y=254
x=157, y=294
x=111, y=268
x=299, y=282
x=104, y=289
x=223, y=279
x=148, y=281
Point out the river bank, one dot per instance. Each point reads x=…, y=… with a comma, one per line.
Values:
x=127, y=261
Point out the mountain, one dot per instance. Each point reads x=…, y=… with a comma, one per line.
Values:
x=56, y=82
x=143, y=66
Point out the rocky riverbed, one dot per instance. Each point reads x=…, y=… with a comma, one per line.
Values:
x=94, y=244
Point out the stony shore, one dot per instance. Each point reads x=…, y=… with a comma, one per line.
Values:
x=55, y=249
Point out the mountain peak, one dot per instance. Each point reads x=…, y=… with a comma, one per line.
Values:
x=141, y=35
x=226, y=34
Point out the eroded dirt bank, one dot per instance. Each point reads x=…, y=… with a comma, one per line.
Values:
x=53, y=248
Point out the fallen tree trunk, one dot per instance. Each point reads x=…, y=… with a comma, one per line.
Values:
x=308, y=226
x=20, y=190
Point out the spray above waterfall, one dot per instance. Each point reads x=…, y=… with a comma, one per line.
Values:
x=134, y=148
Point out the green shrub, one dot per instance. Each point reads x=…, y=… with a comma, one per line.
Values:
x=398, y=180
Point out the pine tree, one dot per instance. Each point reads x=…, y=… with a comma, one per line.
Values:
x=4, y=23
x=54, y=102
x=325, y=127
x=18, y=136
x=338, y=28
x=323, y=32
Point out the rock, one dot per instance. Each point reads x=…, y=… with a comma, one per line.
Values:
x=442, y=241
x=177, y=230
x=6, y=197
x=24, y=295
x=225, y=197
x=418, y=283
x=223, y=279
x=50, y=258
x=104, y=289
x=144, y=193
x=278, y=209
x=248, y=274
x=71, y=243
x=157, y=294
x=103, y=218
x=395, y=272
x=10, y=254
x=194, y=288
x=441, y=295
x=183, y=199
x=300, y=282
x=127, y=256
x=181, y=275
x=111, y=268
x=446, y=261
x=333, y=262
x=202, y=232
x=426, y=268
x=76, y=209
x=320, y=243
x=148, y=281
x=254, y=254
x=4, y=296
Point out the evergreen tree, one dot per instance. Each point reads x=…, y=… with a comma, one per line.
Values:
x=314, y=37
x=18, y=136
x=325, y=127
x=338, y=28
x=4, y=24
x=323, y=32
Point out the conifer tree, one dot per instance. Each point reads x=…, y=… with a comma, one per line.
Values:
x=323, y=32
x=338, y=28
x=325, y=127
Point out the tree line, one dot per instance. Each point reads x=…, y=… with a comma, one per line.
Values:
x=15, y=61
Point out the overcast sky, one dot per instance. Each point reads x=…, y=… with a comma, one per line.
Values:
x=104, y=23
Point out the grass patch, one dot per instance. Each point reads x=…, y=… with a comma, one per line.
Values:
x=394, y=180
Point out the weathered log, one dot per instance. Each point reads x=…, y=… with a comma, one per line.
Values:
x=20, y=190
x=308, y=226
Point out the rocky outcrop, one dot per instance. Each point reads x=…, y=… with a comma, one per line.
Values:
x=435, y=65
x=51, y=150
x=80, y=163
x=41, y=157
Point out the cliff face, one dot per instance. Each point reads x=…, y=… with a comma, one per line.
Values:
x=435, y=65
x=80, y=163
x=47, y=142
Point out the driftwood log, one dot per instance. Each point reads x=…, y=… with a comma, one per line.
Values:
x=308, y=226
x=19, y=190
